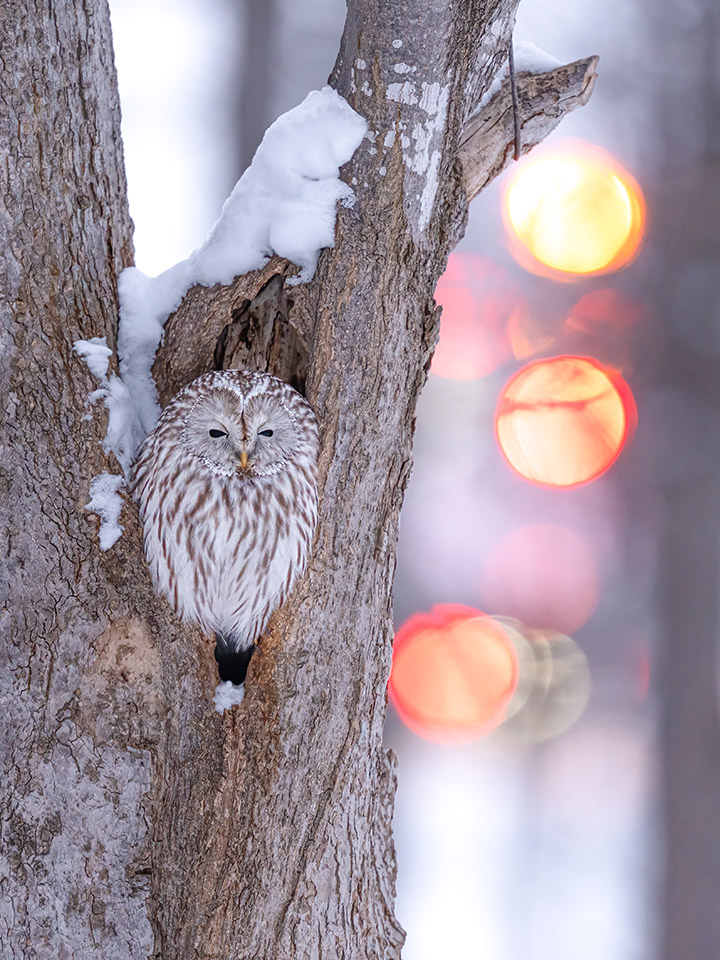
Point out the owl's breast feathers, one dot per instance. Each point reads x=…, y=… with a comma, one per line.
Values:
x=224, y=550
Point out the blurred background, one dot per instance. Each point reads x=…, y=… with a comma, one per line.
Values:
x=554, y=689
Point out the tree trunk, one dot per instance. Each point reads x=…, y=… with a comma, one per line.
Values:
x=138, y=822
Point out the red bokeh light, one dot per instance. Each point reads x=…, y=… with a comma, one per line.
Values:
x=600, y=311
x=563, y=421
x=454, y=673
x=477, y=297
x=545, y=576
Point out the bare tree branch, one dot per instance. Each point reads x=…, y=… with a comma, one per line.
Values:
x=488, y=140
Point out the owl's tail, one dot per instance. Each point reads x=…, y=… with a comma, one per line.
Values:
x=232, y=660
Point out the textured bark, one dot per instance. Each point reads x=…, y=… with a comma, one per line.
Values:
x=137, y=821
x=78, y=677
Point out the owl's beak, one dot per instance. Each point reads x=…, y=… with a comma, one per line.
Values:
x=243, y=458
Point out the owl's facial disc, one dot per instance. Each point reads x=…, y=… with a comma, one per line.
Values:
x=253, y=437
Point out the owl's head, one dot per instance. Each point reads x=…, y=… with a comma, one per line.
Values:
x=248, y=424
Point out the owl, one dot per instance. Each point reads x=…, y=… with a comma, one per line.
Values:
x=227, y=488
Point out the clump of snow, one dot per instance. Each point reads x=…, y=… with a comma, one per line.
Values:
x=96, y=354
x=124, y=433
x=397, y=44
x=228, y=695
x=107, y=503
x=284, y=203
x=529, y=58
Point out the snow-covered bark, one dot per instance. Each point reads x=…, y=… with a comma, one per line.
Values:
x=137, y=821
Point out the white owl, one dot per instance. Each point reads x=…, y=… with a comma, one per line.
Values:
x=227, y=487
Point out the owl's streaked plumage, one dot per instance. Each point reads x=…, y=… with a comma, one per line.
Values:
x=227, y=486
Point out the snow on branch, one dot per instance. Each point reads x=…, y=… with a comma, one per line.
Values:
x=546, y=94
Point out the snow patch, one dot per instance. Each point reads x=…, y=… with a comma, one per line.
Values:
x=106, y=502
x=122, y=436
x=403, y=68
x=96, y=354
x=529, y=58
x=397, y=44
x=360, y=64
x=285, y=203
x=228, y=695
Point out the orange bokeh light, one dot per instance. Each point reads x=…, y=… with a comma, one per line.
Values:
x=527, y=334
x=573, y=212
x=454, y=673
x=563, y=421
x=477, y=297
x=545, y=576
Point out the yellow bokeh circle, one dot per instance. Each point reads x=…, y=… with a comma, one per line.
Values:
x=574, y=212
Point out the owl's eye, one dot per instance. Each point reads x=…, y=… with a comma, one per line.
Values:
x=218, y=433
x=265, y=433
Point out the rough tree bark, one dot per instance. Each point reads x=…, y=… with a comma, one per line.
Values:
x=138, y=822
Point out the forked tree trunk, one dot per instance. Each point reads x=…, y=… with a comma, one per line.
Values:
x=138, y=822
